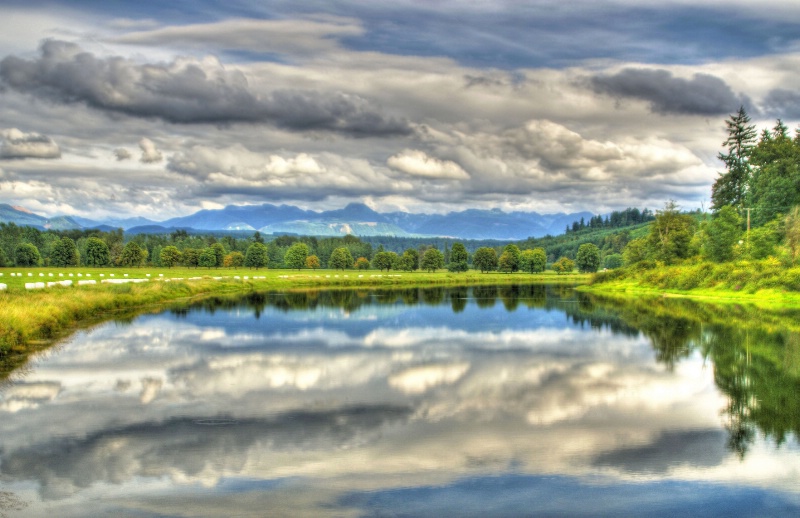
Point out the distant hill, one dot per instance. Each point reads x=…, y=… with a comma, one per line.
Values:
x=355, y=218
x=359, y=219
x=23, y=217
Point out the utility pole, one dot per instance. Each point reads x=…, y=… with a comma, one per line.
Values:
x=748, y=209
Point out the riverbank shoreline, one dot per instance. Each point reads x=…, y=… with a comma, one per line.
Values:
x=33, y=319
x=766, y=298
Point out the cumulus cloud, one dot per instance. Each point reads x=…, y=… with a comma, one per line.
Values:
x=237, y=170
x=418, y=163
x=150, y=154
x=122, y=154
x=188, y=92
x=703, y=94
x=17, y=144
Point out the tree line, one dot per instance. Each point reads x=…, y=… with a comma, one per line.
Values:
x=28, y=246
x=755, y=211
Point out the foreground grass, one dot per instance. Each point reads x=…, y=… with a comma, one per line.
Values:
x=32, y=319
x=765, y=283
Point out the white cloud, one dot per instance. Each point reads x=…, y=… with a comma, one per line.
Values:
x=418, y=163
x=17, y=144
x=122, y=154
x=150, y=153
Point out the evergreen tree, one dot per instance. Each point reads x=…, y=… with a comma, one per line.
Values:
x=775, y=182
x=731, y=187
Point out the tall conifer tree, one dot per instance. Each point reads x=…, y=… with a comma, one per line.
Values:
x=730, y=188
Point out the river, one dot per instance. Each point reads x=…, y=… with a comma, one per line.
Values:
x=482, y=401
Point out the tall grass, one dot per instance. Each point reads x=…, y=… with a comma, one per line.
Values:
x=767, y=278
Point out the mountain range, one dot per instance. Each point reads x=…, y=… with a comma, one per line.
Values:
x=356, y=218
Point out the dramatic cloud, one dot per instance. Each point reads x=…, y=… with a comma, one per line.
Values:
x=704, y=94
x=16, y=144
x=150, y=154
x=187, y=92
x=418, y=163
x=237, y=170
x=783, y=104
x=518, y=109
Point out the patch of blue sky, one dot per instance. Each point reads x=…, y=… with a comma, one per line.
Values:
x=525, y=495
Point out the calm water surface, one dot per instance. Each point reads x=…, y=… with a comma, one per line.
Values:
x=511, y=401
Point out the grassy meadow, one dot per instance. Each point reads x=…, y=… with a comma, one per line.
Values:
x=31, y=319
x=766, y=283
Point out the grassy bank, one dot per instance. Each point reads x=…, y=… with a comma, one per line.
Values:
x=767, y=283
x=31, y=319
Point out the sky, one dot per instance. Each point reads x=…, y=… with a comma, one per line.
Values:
x=159, y=109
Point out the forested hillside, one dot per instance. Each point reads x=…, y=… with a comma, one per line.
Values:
x=751, y=239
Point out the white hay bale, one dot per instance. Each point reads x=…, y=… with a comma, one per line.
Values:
x=85, y=282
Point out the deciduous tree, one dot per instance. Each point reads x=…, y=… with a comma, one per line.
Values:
x=563, y=265
x=170, y=256
x=296, y=256
x=27, y=254
x=64, y=253
x=312, y=262
x=588, y=258
x=459, y=258
x=256, y=256
x=133, y=255
x=233, y=260
x=485, y=259
x=97, y=253
x=722, y=234
x=341, y=259
x=432, y=260
x=533, y=261
x=670, y=234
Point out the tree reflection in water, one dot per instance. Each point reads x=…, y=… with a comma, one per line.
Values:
x=755, y=353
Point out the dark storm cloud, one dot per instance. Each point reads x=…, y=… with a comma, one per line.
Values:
x=783, y=103
x=702, y=95
x=187, y=93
